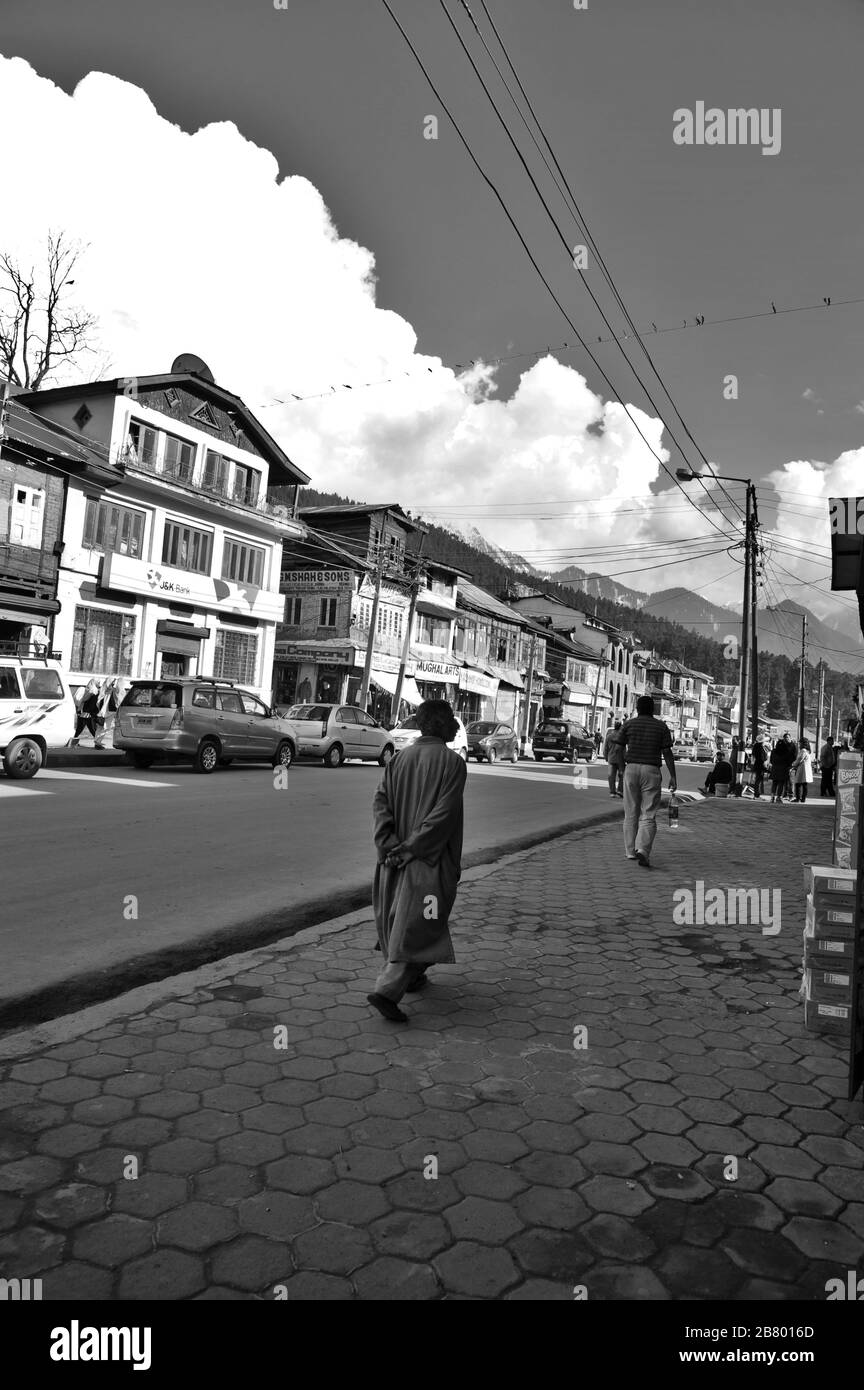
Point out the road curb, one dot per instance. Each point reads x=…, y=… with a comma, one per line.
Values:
x=95, y=987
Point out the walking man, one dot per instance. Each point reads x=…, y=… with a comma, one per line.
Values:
x=418, y=836
x=613, y=752
x=648, y=743
x=760, y=759
x=828, y=764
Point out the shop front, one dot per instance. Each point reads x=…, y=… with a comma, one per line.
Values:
x=383, y=679
x=510, y=683
x=437, y=680
x=476, y=695
x=312, y=673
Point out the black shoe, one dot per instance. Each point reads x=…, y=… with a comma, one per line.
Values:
x=420, y=983
x=387, y=1008
x=642, y=861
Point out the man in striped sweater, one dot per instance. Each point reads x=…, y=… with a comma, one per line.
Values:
x=647, y=743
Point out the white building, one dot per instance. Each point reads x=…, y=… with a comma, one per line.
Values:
x=176, y=570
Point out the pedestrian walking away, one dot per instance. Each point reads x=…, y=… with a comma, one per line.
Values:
x=613, y=752
x=418, y=810
x=802, y=771
x=828, y=767
x=88, y=714
x=648, y=743
x=760, y=761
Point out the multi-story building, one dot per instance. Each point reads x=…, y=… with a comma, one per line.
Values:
x=37, y=462
x=176, y=571
x=500, y=652
x=662, y=680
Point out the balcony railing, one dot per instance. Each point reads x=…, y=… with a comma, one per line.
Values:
x=182, y=476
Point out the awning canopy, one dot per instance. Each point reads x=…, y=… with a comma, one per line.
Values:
x=386, y=680
x=435, y=608
x=167, y=628
x=26, y=608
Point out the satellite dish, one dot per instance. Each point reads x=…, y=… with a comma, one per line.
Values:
x=188, y=362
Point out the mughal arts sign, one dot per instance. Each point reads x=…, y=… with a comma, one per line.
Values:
x=436, y=670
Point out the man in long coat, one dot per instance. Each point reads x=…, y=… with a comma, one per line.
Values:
x=418, y=836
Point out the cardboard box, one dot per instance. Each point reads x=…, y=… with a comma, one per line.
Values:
x=828, y=986
x=833, y=922
x=827, y=1018
x=823, y=882
x=828, y=953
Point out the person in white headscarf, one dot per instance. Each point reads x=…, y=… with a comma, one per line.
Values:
x=88, y=711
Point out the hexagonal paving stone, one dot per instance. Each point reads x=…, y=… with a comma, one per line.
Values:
x=182, y=1156
x=69, y=1140
x=493, y=1180
x=719, y=1139
x=32, y=1174
x=680, y=1183
x=623, y=1283
x=553, y=1207
x=476, y=1270
x=335, y=1249
x=226, y=1183
x=420, y=1194
x=392, y=1279
x=113, y=1240
x=251, y=1147
x=553, y=1254
x=415, y=1235
x=251, y=1263
x=365, y=1164
x=823, y=1240
x=784, y=1162
x=196, y=1226
x=795, y=1196
x=30, y=1249
x=764, y=1253
x=617, y=1238
x=70, y=1205
x=477, y=1218
x=149, y=1195
x=75, y=1282
x=164, y=1275
x=618, y=1159
x=313, y=1287
x=619, y=1195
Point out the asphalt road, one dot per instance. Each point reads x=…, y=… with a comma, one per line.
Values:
x=114, y=877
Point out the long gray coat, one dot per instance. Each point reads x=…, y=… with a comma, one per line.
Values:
x=418, y=807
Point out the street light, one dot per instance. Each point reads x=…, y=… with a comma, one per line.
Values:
x=790, y=613
x=748, y=616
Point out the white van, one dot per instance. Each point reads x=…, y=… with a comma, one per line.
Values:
x=37, y=713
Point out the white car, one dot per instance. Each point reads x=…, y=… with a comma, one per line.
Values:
x=409, y=730
x=37, y=713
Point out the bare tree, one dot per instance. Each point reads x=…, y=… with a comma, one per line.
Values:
x=40, y=331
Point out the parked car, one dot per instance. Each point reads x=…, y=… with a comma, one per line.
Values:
x=336, y=732
x=681, y=749
x=210, y=722
x=563, y=740
x=704, y=750
x=37, y=713
x=409, y=730
x=487, y=739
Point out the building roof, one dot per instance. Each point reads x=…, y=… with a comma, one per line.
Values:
x=56, y=444
x=189, y=381
x=360, y=509
x=478, y=601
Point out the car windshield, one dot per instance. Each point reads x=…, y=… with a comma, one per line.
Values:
x=320, y=712
x=482, y=727
x=410, y=723
x=552, y=727
x=157, y=693
x=41, y=683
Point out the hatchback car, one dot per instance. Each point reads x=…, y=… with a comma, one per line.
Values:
x=37, y=713
x=490, y=740
x=563, y=740
x=336, y=732
x=409, y=730
x=210, y=722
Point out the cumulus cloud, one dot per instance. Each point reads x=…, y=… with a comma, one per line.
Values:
x=197, y=242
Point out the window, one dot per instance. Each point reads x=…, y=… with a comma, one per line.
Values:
x=346, y=715
x=25, y=516
x=142, y=441
x=293, y=608
x=327, y=613
x=215, y=478
x=236, y=656
x=245, y=485
x=186, y=548
x=41, y=684
x=179, y=459
x=113, y=528
x=230, y=701
x=103, y=641
x=206, y=699
x=9, y=683
x=243, y=563
x=252, y=705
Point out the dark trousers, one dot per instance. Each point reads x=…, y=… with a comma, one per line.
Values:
x=616, y=778
x=800, y=791
x=827, y=788
x=85, y=721
x=758, y=781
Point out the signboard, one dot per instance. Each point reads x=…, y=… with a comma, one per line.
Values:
x=341, y=656
x=476, y=683
x=167, y=585
x=316, y=581
x=436, y=671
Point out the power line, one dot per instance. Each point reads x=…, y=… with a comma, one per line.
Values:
x=487, y=180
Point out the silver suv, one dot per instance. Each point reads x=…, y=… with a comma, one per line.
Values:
x=211, y=722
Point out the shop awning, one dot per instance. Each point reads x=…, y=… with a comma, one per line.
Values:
x=166, y=628
x=25, y=608
x=478, y=682
x=507, y=676
x=434, y=608
x=386, y=680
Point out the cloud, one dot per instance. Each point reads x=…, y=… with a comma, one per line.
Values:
x=197, y=242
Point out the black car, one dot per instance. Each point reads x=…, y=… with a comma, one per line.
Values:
x=563, y=740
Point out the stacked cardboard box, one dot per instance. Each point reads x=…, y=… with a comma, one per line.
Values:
x=829, y=947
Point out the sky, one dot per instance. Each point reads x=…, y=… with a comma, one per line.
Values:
x=257, y=185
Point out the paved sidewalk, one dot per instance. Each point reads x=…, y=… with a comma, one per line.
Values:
x=308, y=1172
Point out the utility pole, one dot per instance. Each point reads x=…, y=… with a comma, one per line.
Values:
x=600, y=664
x=526, y=711
x=830, y=724
x=754, y=598
x=745, y=643
x=370, y=644
x=819, y=708
x=801, y=685
x=406, y=641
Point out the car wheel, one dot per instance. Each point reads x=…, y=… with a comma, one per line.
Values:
x=514, y=756
x=335, y=755
x=207, y=757
x=387, y=753
x=140, y=760
x=284, y=755
x=491, y=755
x=23, y=758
